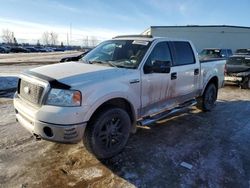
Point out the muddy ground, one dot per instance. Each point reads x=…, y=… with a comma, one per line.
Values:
x=215, y=143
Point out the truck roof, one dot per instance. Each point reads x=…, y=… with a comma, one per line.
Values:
x=216, y=49
x=146, y=38
x=136, y=37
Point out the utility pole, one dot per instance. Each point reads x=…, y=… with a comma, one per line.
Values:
x=68, y=38
x=70, y=33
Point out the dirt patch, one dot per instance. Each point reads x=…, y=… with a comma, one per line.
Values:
x=216, y=144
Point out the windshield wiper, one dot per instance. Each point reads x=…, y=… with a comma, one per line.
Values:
x=112, y=64
x=96, y=62
x=85, y=61
x=103, y=62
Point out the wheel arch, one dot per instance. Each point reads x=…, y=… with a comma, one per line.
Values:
x=213, y=80
x=120, y=103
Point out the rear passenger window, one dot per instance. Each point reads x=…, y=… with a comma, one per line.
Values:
x=183, y=53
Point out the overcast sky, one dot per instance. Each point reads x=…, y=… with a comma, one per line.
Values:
x=28, y=19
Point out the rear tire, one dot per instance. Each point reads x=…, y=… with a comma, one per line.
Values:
x=206, y=102
x=246, y=83
x=107, y=134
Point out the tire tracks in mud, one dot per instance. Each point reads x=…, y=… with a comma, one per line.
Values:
x=63, y=165
x=16, y=143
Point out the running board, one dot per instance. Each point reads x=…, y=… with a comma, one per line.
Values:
x=149, y=120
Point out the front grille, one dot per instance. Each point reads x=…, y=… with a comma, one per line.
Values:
x=30, y=92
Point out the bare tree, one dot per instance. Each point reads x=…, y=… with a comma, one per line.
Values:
x=38, y=43
x=50, y=38
x=14, y=40
x=93, y=41
x=86, y=41
x=8, y=36
x=46, y=38
x=53, y=38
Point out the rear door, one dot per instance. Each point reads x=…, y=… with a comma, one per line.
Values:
x=185, y=72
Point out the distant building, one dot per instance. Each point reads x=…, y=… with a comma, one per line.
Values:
x=210, y=36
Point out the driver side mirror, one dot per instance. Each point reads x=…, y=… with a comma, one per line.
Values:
x=157, y=66
x=161, y=66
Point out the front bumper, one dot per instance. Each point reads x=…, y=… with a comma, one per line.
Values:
x=65, y=133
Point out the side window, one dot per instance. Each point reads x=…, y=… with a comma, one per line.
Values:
x=223, y=53
x=184, y=54
x=229, y=52
x=160, y=52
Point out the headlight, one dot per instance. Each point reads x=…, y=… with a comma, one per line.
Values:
x=61, y=97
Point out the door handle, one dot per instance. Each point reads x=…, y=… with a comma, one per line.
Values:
x=196, y=71
x=173, y=75
x=134, y=81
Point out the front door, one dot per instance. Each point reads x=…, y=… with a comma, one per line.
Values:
x=155, y=86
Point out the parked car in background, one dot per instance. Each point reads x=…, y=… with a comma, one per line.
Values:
x=41, y=49
x=49, y=49
x=215, y=53
x=32, y=49
x=245, y=51
x=59, y=49
x=18, y=49
x=238, y=70
x=74, y=58
x=4, y=49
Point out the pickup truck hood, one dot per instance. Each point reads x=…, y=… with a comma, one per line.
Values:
x=77, y=73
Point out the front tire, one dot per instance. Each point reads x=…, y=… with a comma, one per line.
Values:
x=107, y=134
x=207, y=101
x=246, y=83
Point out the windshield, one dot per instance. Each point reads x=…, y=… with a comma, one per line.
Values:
x=213, y=53
x=118, y=53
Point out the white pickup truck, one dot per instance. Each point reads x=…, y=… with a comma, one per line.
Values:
x=121, y=83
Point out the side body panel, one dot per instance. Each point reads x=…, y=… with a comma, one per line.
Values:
x=161, y=92
x=212, y=69
x=186, y=84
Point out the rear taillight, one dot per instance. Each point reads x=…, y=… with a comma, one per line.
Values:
x=225, y=69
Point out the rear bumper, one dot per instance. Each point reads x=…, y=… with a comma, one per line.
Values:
x=233, y=79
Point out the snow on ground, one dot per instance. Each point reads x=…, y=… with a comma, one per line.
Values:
x=11, y=65
x=8, y=82
x=51, y=57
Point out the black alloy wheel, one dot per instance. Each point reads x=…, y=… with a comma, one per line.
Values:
x=107, y=135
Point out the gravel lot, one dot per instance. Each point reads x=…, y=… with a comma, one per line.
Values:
x=216, y=144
